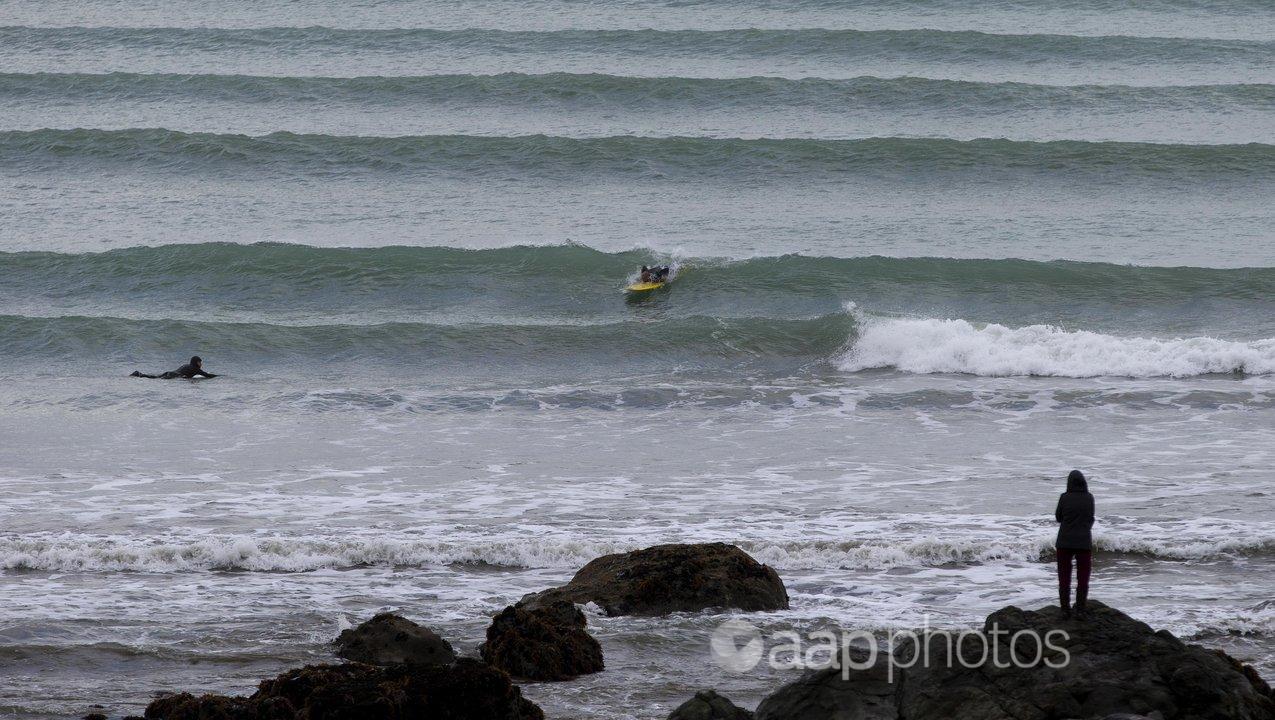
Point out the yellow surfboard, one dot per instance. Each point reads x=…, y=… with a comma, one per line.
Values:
x=645, y=287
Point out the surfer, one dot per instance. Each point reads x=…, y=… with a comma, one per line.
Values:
x=655, y=274
x=1075, y=514
x=649, y=278
x=186, y=372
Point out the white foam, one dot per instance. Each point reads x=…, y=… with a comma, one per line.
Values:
x=928, y=345
x=1255, y=622
x=1142, y=542
x=68, y=552
x=886, y=554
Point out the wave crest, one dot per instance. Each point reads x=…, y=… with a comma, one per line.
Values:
x=927, y=346
x=651, y=157
x=611, y=91
x=69, y=552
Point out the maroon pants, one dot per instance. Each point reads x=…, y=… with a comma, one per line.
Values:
x=1084, y=563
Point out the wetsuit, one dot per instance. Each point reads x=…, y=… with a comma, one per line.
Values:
x=185, y=372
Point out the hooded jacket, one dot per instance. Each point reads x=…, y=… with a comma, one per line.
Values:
x=1075, y=512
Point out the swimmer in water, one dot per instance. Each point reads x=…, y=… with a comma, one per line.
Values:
x=189, y=371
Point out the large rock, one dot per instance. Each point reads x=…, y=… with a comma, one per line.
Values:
x=1114, y=665
x=708, y=705
x=830, y=694
x=184, y=706
x=1107, y=666
x=388, y=639
x=547, y=642
x=672, y=578
x=465, y=690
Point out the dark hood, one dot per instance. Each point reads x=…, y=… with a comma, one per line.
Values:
x=1076, y=482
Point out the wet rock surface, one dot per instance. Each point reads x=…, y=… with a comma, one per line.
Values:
x=465, y=690
x=830, y=694
x=672, y=578
x=1106, y=666
x=708, y=705
x=389, y=639
x=546, y=642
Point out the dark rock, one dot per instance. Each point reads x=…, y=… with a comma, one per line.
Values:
x=1108, y=666
x=1249, y=672
x=708, y=705
x=95, y=716
x=548, y=642
x=858, y=694
x=184, y=706
x=1114, y=665
x=388, y=639
x=465, y=690
x=672, y=578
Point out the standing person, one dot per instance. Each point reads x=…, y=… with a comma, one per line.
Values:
x=1075, y=513
x=186, y=372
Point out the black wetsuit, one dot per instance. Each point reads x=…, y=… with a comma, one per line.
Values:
x=185, y=372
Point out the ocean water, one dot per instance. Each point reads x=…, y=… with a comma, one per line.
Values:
x=930, y=256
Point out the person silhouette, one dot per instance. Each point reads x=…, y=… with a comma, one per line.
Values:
x=1075, y=515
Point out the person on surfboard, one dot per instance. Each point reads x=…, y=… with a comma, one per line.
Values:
x=655, y=274
x=186, y=372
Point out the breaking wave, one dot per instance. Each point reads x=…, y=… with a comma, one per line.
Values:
x=68, y=552
x=929, y=345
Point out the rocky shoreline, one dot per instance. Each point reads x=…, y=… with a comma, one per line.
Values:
x=1108, y=666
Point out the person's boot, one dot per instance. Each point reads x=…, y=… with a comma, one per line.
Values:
x=1082, y=604
x=1064, y=602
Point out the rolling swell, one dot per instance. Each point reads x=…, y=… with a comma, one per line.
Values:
x=627, y=156
x=923, y=44
x=226, y=274
x=851, y=342
x=572, y=90
x=1221, y=18
x=706, y=339
x=560, y=305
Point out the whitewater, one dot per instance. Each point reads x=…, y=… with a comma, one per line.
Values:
x=930, y=256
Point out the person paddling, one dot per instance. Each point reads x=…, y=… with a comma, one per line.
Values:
x=186, y=372
x=654, y=274
x=1075, y=513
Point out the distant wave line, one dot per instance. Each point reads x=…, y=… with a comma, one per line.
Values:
x=627, y=155
x=750, y=42
x=571, y=89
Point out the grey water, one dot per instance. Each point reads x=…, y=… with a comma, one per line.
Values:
x=929, y=257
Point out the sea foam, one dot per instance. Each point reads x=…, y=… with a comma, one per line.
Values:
x=67, y=552
x=929, y=345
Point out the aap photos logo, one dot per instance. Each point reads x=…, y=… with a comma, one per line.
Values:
x=737, y=646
